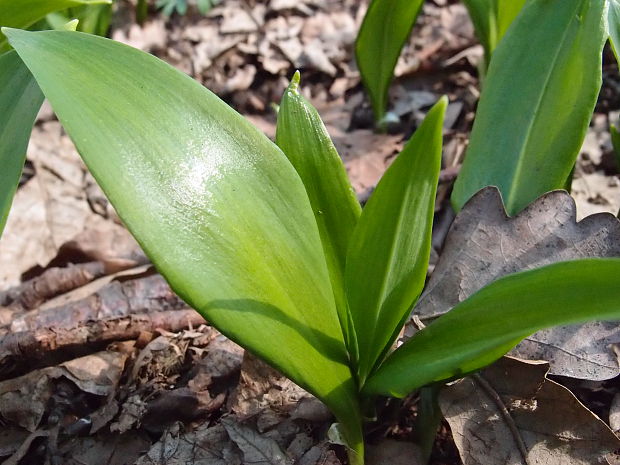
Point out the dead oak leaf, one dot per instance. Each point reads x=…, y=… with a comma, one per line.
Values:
x=257, y=449
x=512, y=414
x=485, y=244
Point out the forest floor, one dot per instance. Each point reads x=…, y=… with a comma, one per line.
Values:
x=101, y=363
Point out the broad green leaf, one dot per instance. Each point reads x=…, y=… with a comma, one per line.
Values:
x=383, y=33
x=390, y=247
x=536, y=104
x=304, y=139
x=20, y=101
x=613, y=25
x=215, y=204
x=491, y=322
x=24, y=13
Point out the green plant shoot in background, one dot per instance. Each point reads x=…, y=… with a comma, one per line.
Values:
x=388, y=24
x=539, y=92
x=528, y=139
x=267, y=241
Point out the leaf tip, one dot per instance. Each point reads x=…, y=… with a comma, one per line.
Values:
x=7, y=31
x=13, y=34
x=296, y=79
x=71, y=25
x=439, y=109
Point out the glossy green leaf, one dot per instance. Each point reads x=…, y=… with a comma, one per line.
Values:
x=215, y=204
x=303, y=138
x=491, y=322
x=613, y=25
x=24, y=13
x=389, y=252
x=536, y=104
x=20, y=101
x=383, y=33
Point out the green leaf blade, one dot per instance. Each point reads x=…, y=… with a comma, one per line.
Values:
x=383, y=33
x=389, y=252
x=20, y=101
x=507, y=11
x=491, y=322
x=303, y=138
x=525, y=139
x=613, y=25
x=24, y=13
x=216, y=205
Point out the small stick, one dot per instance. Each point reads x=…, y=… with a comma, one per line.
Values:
x=20, y=347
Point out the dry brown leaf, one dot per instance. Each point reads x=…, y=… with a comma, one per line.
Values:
x=10, y=439
x=26, y=241
x=263, y=391
x=393, y=452
x=298, y=447
x=150, y=37
x=132, y=412
x=49, y=210
x=104, y=241
x=238, y=20
x=595, y=192
x=180, y=404
x=23, y=448
x=512, y=414
x=367, y=156
x=223, y=359
x=257, y=449
x=52, y=210
x=104, y=449
x=161, y=357
x=204, y=446
x=24, y=400
x=484, y=244
x=614, y=413
x=320, y=455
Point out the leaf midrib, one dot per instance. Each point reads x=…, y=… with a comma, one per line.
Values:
x=386, y=276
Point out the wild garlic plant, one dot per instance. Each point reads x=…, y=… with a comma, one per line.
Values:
x=267, y=240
